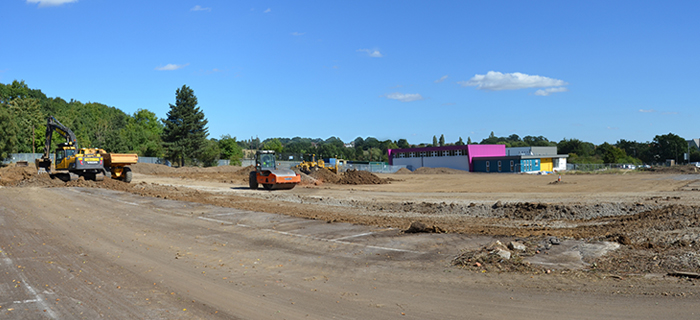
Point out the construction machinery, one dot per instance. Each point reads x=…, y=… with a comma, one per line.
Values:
x=73, y=162
x=308, y=166
x=267, y=173
x=338, y=166
x=116, y=164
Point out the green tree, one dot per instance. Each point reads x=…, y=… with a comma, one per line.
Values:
x=435, y=142
x=209, y=155
x=538, y=141
x=8, y=133
x=442, y=140
x=273, y=144
x=459, y=142
x=403, y=144
x=370, y=142
x=28, y=116
x=580, y=148
x=668, y=146
x=142, y=134
x=492, y=139
x=185, y=132
x=469, y=140
x=613, y=154
x=230, y=149
x=298, y=146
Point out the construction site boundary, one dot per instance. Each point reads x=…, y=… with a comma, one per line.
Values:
x=375, y=168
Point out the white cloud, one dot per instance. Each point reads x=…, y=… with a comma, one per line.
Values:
x=495, y=81
x=267, y=11
x=50, y=3
x=298, y=33
x=371, y=53
x=443, y=78
x=647, y=110
x=613, y=128
x=171, y=67
x=448, y=104
x=548, y=91
x=404, y=97
x=200, y=8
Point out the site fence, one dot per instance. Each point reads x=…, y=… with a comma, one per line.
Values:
x=29, y=157
x=599, y=166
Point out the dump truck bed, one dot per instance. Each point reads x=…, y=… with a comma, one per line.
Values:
x=119, y=159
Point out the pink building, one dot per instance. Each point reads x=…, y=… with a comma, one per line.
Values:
x=455, y=157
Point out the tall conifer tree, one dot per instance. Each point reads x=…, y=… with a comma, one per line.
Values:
x=185, y=132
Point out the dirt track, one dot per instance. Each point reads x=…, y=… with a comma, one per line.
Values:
x=653, y=216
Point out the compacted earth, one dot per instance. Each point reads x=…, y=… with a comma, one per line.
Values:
x=191, y=243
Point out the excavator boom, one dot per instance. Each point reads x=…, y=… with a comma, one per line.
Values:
x=43, y=164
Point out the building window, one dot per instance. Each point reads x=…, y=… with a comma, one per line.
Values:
x=412, y=155
x=434, y=154
x=422, y=154
x=445, y=153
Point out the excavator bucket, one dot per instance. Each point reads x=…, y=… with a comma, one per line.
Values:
x=43, y=166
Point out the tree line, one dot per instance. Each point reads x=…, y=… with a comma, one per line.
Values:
x=182, y=137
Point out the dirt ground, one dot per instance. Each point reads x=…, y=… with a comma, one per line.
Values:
x=650, y=219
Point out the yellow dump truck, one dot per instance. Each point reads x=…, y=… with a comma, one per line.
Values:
x=116, y=164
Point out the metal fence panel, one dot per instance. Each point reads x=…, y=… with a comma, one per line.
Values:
x=29, y=157
x=374, y=167
x=597, y=166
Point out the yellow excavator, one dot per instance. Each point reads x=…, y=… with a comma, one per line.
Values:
x=73, y=162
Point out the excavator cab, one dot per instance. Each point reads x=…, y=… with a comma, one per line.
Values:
x=64, y=152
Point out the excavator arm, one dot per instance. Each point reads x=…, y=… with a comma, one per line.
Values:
x=44, y=163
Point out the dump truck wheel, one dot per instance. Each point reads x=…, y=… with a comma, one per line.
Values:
x=253, y=180
x=127, y=174
x=267, y=186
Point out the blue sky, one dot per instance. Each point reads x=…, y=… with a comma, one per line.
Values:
x=595, y=70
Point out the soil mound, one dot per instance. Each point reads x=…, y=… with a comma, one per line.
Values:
x=561, y=182
x=209, y=173
x=26, y=177
x=420, y=227
x=324, y=175
x=685, y=169
x=426, y=170
x=151, y=168
x=403, y=171
x=11, y=174
x=305, y=178
x=361, y=177
x=225, y=174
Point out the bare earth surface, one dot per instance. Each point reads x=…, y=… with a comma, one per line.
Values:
x=196, y=243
